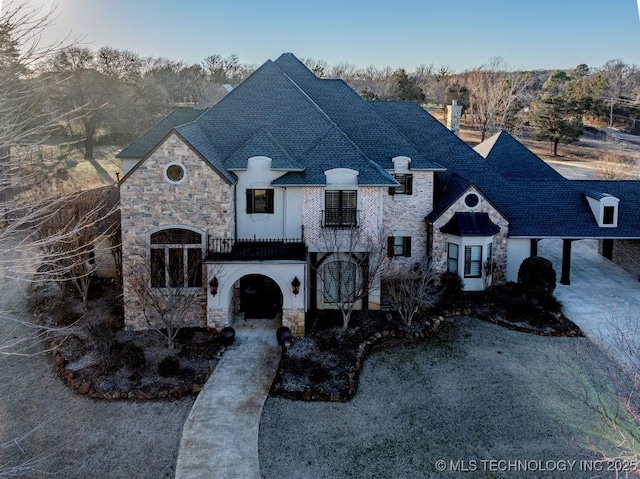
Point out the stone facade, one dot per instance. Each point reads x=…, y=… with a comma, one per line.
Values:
x=294, y=319
x=203, y=200
x=626, y=254
x=438, y=241
x=406, y=213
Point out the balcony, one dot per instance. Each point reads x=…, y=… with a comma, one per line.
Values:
x=340, y=217
x=258, y=250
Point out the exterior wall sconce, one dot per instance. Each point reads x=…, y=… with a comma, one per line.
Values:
x=213, y=286
x=295, y=284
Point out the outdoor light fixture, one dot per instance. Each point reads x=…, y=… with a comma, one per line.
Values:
x=295, y=284
x=213, y=286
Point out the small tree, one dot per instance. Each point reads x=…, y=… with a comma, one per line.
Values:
x=164, y=308
x=70, y=232
x=350, y=267
x=411, y=290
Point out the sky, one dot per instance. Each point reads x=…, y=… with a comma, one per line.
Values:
x=461, y=34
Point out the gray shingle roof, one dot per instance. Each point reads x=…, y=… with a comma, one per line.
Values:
x=302, y=122
x=514, y=160
x=546, y=207
x=374, y=135
x=266, y=144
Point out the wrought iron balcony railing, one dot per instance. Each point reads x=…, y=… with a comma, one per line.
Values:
x=258, y=250
x=340, y=217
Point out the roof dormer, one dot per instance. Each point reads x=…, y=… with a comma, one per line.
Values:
x=401, y=164
x=604, y=208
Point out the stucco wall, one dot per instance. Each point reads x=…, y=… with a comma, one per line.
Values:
x=439, y=240
x=203, y=200
x=285, y=220
x=518, y=249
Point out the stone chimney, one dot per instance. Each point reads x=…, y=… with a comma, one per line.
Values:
x=454, y=112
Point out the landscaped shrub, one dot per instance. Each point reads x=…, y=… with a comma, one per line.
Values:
x=537, y=276
x=115, y=322
x=132, y=355
x=451, y=286
x=169, y=366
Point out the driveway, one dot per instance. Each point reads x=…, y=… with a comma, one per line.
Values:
x=602, y=299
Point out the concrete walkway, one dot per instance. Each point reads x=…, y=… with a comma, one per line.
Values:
x=220, y=436
x=602, y=299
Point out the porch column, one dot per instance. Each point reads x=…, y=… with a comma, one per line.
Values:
x=565, y=277
x=534, y=246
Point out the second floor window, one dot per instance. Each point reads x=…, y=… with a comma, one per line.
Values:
x=340, y=208
x=260, y=201
x=406, y=185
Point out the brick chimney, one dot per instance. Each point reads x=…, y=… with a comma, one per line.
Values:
x=454, y=112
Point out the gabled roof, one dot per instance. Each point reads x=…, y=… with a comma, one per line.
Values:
x=514, y=160
x=470, y=224
x=143, y=145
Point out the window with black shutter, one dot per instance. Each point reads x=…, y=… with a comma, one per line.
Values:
x=406, y=185
x=399, y=246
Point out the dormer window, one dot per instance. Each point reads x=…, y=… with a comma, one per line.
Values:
x=406, y=184
x=604, y=208
x=608, y=215
x=402, y=175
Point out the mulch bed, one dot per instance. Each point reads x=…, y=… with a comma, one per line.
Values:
x=98, y=358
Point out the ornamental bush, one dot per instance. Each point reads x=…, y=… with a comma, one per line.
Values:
x=537, y=276
x=132, y=355
x=169, y=367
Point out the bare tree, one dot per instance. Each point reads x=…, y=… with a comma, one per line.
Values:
x=411, y=290
x=70, y=234
x=163, y=307
x=494, y=91
x=349, y=267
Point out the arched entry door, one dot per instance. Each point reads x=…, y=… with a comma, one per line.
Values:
x=258, y=297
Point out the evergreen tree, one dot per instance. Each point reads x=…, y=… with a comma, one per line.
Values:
x=405, y=87
x=557, y=115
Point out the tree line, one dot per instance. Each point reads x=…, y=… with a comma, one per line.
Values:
x=118, y=94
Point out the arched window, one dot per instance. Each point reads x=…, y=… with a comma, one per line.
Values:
x=176, y=258
x=339, y=281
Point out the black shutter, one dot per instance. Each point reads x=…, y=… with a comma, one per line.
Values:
x=390, y=246
x=269, y=201
x=249, y=201
x=408, y=184
x=407, y=246
x=392, y=190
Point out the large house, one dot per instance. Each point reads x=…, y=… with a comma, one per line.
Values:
x=249, y=202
